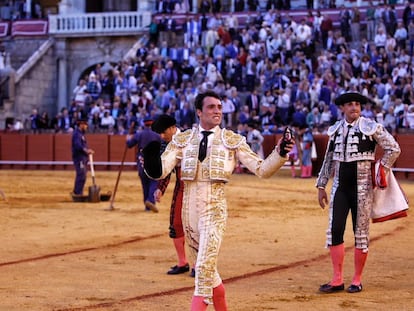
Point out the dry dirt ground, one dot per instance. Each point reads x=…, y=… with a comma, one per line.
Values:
x=61, y=255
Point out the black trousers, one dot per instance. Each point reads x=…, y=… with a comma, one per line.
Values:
x=80, y=179
x=345, y=200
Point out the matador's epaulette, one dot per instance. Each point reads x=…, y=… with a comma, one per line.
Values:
x=231, y=139
x=333, y=128
x=367, y=126
x=183, y=138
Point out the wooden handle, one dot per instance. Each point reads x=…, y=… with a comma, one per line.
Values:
x=91, y=164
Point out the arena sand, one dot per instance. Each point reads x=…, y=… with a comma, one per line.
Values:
x=61, y=255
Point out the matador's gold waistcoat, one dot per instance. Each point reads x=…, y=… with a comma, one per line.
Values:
x=220, y=163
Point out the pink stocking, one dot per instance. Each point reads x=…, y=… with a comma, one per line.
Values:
x=303, y=171
x=292, y=169
x=359, y=263
x=180, y=250
x=310, y=171
x=198, y=304
x=337, y=257
x=219, y=298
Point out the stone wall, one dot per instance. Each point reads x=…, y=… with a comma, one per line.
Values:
x=39, y=87
x=21, y=48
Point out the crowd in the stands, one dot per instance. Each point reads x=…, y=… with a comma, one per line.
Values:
x=272, y=71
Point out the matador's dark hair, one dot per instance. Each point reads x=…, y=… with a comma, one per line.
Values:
x=198, y=103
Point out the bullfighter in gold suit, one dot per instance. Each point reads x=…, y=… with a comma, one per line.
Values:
x=204, y=204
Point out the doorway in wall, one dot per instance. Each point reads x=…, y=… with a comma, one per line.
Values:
x=94, y=6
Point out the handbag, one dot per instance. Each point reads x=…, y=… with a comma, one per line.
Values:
x=389, y=202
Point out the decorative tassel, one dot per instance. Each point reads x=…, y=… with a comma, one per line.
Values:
x=381, y=178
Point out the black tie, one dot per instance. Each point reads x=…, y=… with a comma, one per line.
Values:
x=346, y=139
x=203, y=145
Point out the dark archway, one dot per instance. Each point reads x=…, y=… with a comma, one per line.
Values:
x=101, y=67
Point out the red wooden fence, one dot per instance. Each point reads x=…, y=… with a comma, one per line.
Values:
x=53, y=151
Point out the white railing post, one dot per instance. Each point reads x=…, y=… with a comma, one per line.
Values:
x=99, y=22
x=82, y=24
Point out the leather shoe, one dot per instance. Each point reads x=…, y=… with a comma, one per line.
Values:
x=354, y=288
x=179, y=270
x=149, y=206
x=328, y=288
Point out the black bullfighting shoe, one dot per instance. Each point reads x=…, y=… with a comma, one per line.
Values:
x=328, y=288
x=179, y=270
x=354, y=288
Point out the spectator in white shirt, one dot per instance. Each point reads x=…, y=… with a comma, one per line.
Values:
x=380, y=39
x=255, y=139
x=326, y=116
x=228, y=110
x=401, y=36
x=79, y=92
x=409, y=117
x=303, y=33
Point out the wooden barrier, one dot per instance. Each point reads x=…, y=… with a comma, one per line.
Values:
x=100, y=144
x=39, y=148
x=53, y=151
x=117, y=145
x=13, y=148
x=403, y=167
x=405, y=160
x=268, y=144
x=63, y=151
x=321, y=142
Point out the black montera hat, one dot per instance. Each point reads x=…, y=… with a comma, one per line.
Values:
x=350, y=97
x=162, y=123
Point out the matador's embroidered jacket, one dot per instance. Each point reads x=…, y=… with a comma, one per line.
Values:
x=226, y=149
x=204, y=210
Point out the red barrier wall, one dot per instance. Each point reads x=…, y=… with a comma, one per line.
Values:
x=406, y=158
x=63, y=151
x=268, y=144
x=321, y=142
x=100, y=144
x=39, y=148
x=117, y=148
x=13, y=148
x=110, y=148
